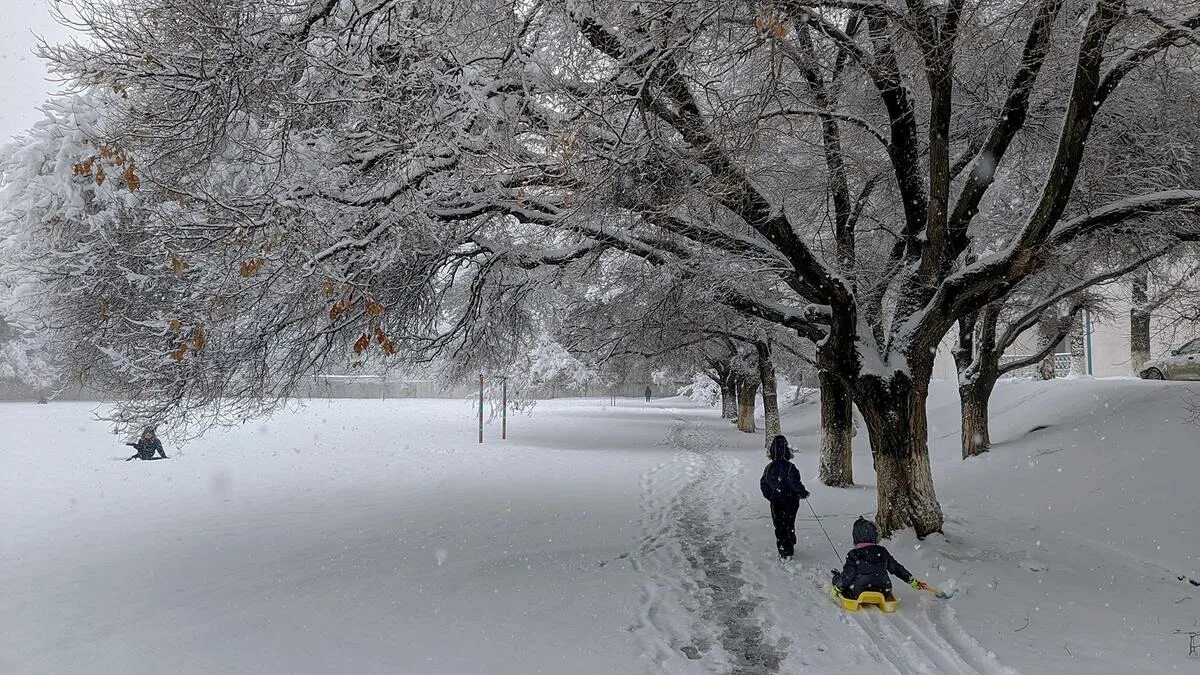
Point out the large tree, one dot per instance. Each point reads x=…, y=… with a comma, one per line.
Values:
x=414, y=174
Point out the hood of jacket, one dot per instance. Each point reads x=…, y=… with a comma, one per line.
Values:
x=779, y=449
x=865, y=532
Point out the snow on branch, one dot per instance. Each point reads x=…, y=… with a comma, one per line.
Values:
x=1123, y=65
x=1122, y=210
x=814, y=112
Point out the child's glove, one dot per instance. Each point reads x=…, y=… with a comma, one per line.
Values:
x=918, y=585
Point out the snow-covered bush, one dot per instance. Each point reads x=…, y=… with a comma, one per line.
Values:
x=702, y=389
x=551, y=364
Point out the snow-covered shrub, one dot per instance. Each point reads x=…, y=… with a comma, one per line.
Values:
x=551, y=364
x=702, y=389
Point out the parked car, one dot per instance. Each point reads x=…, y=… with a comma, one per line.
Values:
x=1182, y=364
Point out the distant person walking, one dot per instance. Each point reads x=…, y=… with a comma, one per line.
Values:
x=147, y=446
x=648, y=393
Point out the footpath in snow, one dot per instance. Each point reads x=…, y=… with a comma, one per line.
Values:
x=378, y=537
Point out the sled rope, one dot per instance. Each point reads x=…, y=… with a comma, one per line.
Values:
x=836, y=555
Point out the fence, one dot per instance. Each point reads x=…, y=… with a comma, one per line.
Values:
x=1062, y=365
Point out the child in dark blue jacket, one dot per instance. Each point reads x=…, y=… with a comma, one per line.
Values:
x=147, y=446
x=869, y=565
x=782, y=487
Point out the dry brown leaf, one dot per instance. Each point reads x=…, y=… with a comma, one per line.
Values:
x=373, y=308
x=384, y=343
x=251, y=267
x=178, y=265
x=131, y=180
x=175, y=326
x=199, y=339
x=340, y=307
x=362, y=343
x=99, y=174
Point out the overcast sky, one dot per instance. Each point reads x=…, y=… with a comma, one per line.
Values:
x=23, y=84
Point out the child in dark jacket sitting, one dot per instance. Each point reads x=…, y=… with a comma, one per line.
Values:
x=868, y=565
x=781, y=485
x=147, y=446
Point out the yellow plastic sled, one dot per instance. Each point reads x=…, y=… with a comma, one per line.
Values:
x=885, y=603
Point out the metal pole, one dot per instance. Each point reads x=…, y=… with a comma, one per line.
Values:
x=1087, y=331
x=481, y=407
x=504, y=411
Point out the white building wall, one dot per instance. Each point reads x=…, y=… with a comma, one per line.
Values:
x=1110, y=336
x=1109, y=340
x=943, y=361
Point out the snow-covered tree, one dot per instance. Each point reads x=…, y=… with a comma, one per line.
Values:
x=25, y=359
x=551, y=364
x=60, y=183
x=412, y=177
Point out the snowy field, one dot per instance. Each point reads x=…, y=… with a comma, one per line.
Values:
x=379, y=537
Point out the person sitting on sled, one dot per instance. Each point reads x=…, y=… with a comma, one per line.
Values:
x=147, y=445
x=781, y=485
x=868, y=566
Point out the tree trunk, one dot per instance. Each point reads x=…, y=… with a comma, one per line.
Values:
x=747, y=395
x=1047, y=331
x=837, y=430
x=728, y=401
x=973, y=401
x=1139, y=321
x=977, y=359
x=894, y=411
x=770, y=394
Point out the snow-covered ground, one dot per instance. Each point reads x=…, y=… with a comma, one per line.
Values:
x=379, y=537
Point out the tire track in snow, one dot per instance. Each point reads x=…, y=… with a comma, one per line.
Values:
x=941, y=617
x=687, y=555
x=885, y=650
x=933, y=638
x=904, y=654
x=941, y=655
